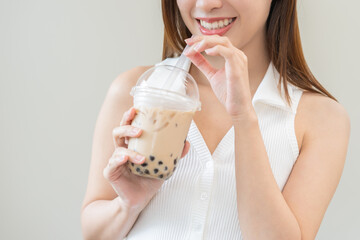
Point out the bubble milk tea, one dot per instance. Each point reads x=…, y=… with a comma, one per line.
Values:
x=161, y=142
x=165, y=104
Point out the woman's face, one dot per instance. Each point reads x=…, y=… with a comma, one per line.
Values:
x=242, y=21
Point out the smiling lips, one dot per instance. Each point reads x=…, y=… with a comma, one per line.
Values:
x=211, y=26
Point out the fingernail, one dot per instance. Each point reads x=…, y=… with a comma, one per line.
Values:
x=129, y=112
x=119, y=158
x=188, y=40
x=197, y=47
x=135, y=131
x=139, y=158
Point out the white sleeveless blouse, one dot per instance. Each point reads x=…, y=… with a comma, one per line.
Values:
x=199, y=200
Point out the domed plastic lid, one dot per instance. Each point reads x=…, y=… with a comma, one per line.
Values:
x=167, y=86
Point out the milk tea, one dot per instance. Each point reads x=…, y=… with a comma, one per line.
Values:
x=161, y=142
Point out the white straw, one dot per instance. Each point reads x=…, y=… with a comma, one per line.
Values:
x=176, y=73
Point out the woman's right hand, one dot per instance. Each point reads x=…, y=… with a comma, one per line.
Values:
x=135, y=191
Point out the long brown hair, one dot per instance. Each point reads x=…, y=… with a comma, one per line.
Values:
x=283, y=42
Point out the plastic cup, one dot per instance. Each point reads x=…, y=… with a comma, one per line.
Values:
x=165, y=116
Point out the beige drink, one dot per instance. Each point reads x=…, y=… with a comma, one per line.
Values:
x=166, y=98
x=162, y=140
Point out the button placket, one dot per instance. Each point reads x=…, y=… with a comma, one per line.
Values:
x=203, y=192
x=203, y=187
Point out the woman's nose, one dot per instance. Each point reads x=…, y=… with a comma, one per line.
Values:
x=208, y=5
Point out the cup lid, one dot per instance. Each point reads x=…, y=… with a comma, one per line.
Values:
x=169, y=80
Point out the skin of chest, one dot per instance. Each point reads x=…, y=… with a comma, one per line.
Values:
x=212, y=121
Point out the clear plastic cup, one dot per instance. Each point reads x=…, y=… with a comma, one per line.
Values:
x=164, y=113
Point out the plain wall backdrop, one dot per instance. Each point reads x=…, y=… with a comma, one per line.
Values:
x=57, y=60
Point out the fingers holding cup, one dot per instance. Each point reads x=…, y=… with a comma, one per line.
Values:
x=123, y=132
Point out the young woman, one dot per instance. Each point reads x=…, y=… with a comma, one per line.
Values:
x=266, y=151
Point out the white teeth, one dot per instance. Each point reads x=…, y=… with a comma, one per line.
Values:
x=217, y=24
x=208, y=25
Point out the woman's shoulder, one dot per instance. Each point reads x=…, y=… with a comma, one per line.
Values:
x=118, y=98
x=319, y=116
x=126, y=80
x=319, y=107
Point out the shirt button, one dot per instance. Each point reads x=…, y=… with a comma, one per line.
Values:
x=208, y=164
x=204, y=196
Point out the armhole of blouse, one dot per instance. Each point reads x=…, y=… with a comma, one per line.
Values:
x=291, y=124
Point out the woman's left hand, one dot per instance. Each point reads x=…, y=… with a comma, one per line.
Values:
x=231, y=83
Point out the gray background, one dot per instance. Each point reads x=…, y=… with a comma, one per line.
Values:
x=57, y=60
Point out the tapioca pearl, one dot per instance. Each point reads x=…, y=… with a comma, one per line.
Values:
x=161, y=176
x=156, y=170
x=138, y=170
x=175, y=160
x=132, y=164
x=160, y=163
x=146, y=171
x=166, y=168
x=144, y=164
x=171, y=155
x=152, y=158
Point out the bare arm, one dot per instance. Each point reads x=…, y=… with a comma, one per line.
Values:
x=103, y=214
x=107, y=219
